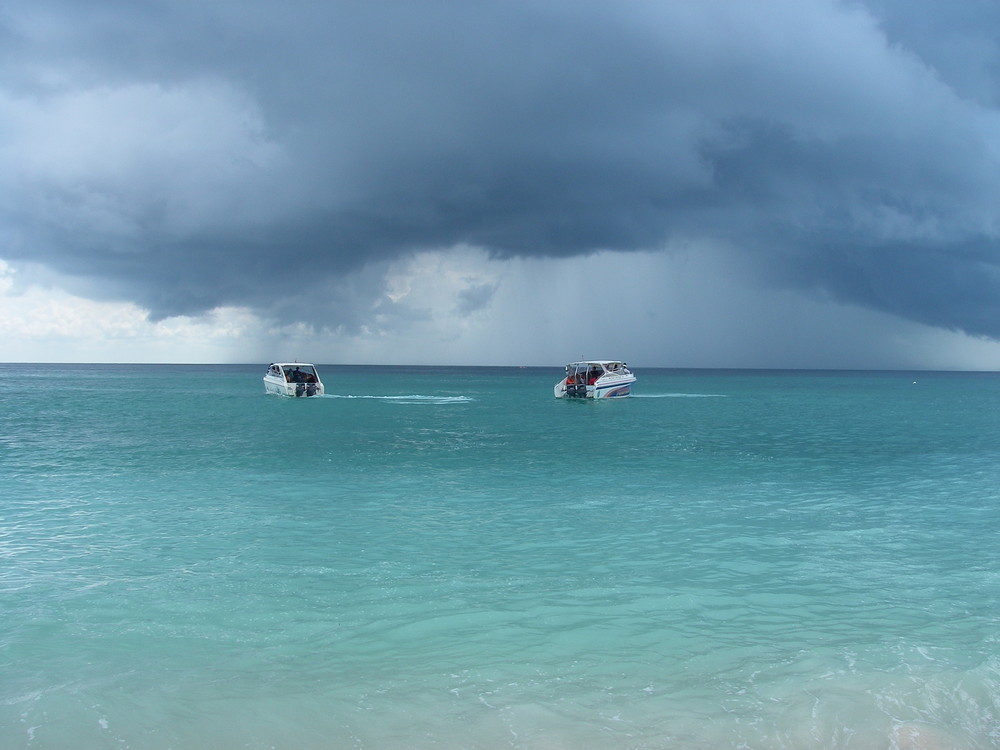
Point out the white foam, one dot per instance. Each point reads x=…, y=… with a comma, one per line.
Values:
x=679, y=395
x=408, y=399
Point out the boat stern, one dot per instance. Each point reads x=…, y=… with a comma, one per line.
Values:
x=295, y=380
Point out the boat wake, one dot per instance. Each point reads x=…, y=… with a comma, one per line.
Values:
x=679, y=395
x=410, y=399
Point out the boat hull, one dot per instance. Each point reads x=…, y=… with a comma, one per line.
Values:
x=293, y=390
x=602, y=389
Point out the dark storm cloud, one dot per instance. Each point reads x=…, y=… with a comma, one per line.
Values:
x=187, y=155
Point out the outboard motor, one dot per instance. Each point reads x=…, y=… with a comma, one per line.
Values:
x=576, y=390
x=311, y=389
x=300, y=388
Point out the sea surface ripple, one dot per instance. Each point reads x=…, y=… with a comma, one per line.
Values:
x=452, y=558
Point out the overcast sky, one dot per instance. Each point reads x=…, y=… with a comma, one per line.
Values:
x=690, y=183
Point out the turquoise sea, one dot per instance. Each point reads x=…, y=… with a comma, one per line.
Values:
x=452, y=558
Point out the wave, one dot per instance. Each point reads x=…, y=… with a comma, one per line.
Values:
x=679, y=395
x=409, y=399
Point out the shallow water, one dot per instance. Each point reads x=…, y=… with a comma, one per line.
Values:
x=451, y=558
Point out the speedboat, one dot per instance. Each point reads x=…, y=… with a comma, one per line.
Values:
x=596, y=378
x=292, y=379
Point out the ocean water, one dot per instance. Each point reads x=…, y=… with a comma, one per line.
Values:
x=452, y=558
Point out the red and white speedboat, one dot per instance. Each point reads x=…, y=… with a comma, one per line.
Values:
x=596, y=378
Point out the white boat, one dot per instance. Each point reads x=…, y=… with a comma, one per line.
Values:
x=596, y=378
x=292, y=379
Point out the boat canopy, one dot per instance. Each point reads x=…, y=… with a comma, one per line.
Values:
x=294, y=372
x=596, y=366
